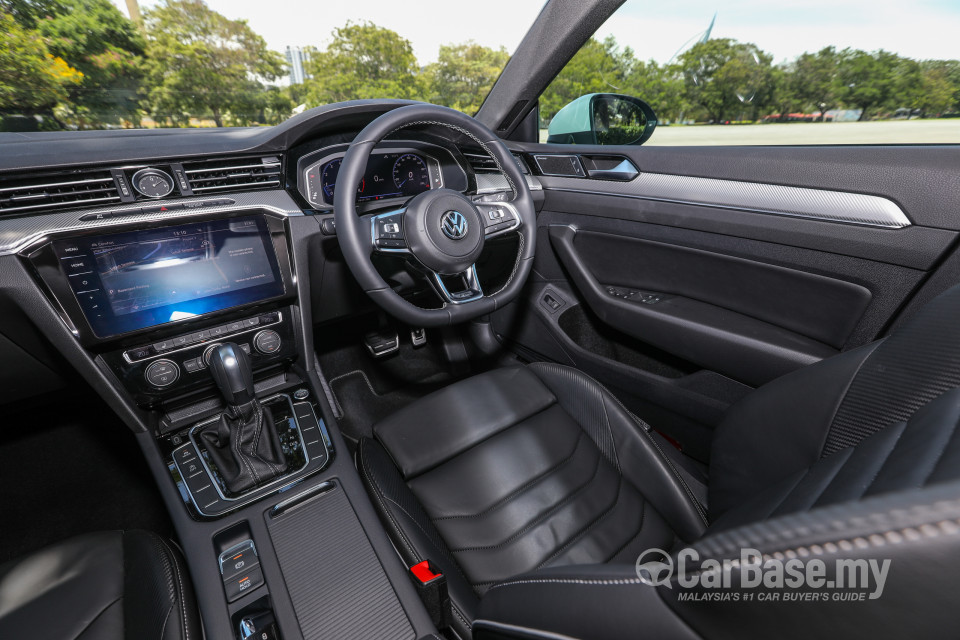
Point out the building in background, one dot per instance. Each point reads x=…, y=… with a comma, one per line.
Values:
x=296, y=57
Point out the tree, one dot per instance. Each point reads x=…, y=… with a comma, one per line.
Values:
x=463, y=74
x=724, y=75
x=363, y=61
x=202, y=64
x=595, y=68
x=866, y=80
x=938, y=92
x=660, y=86
x=814, y=80
x=95, y=38
x=32, y=80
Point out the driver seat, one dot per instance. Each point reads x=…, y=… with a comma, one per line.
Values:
x=538, y=470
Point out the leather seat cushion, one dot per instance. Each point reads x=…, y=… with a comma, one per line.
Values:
x=527, y=467
x=99, y=586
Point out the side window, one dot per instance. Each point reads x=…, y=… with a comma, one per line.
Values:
x=745, y=75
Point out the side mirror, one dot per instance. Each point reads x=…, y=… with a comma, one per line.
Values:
x=603, y=118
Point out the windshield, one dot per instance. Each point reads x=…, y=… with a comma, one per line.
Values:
x=95, y=64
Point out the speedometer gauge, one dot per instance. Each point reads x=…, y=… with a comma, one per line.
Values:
x=410, y=174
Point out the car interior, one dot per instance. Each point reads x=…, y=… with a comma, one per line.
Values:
x=462, y=400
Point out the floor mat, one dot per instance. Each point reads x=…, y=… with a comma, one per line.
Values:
x=72, y=467
x=366, y=390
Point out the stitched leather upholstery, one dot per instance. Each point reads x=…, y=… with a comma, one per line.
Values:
x=102, y=586
x=526, y=467
x=849, y=435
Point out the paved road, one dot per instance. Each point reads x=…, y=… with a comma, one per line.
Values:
x=887, y=132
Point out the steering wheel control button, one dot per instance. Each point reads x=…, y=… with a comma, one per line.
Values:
x=162, y=373
x=267, y=342
x=388, y=231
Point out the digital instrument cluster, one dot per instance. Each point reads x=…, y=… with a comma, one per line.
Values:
x=393, y=174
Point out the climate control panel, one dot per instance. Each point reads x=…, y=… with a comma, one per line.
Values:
x=179, y=363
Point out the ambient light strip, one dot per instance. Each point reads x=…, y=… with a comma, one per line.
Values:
x=801, y=202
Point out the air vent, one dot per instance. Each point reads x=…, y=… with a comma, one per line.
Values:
x=483, y=163
x=74, y=190
x=233, y=174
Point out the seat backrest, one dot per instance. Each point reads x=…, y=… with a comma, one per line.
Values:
x=776, y=449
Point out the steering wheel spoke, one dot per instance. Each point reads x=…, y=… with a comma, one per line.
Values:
x=467, y=287
x=386, y=232
x=499, y=218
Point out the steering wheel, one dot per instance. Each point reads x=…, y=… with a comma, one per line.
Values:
x=440, y=231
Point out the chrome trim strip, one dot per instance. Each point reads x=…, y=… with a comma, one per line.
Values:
x=303, y=496
x=801, y=202
x=16, y=234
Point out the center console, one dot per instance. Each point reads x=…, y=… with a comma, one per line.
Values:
x=195, y=325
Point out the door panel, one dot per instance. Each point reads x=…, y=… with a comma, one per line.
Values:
x=747, y=295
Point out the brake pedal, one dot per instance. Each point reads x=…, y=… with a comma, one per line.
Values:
x=381, y=344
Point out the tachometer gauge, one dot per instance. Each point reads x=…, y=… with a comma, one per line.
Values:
x=410, y=174
x=152, y=183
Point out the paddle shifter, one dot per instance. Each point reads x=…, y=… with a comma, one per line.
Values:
x=244, y=444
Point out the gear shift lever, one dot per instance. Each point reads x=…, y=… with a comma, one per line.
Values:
x=230, y=367
x=244, y=444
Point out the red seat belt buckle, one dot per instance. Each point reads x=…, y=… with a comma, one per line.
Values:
x=424, y=572
x=432, y=588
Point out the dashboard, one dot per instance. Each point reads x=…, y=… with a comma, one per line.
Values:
x=143, y=248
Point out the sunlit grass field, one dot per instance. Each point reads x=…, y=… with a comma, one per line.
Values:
x=882, y=132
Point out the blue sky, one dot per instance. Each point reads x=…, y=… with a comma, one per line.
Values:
x=654, y=28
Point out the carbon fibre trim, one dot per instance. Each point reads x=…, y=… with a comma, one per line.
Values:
x=18, y=233
x=801, y=202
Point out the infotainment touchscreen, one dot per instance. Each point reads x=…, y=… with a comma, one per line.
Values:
x=138, y=279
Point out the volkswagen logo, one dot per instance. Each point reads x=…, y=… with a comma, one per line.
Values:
x=454, y=225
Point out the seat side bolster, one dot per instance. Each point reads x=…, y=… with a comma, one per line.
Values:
x=589, y=602
x=778, y=430
x=158, y=595
x=629, y=444
x=916, y=532
x=414, y=535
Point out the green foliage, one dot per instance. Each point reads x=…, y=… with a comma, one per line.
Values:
x=598, y=67
x=866, y=80
x=463, y=74
x=201, y=64
x=363, y=61
x=813, y=80
x=95, y=38
x=85, y=63
x=32, y=80
x=725, y=77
